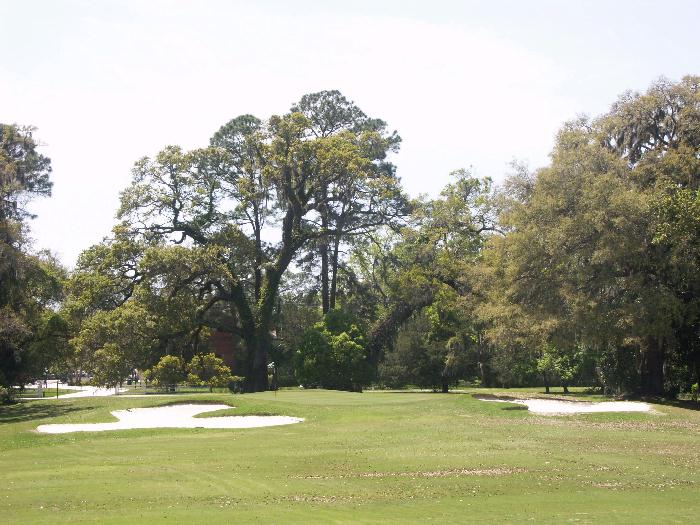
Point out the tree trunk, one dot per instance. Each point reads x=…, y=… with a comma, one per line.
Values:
x=445, y=386
x=257, y=320
x=566, y=389
x=334, y=272
x=325, y=294
x=334, y=258
x=258, y=247
x=652, y=368
x=256, y=378
x=258, y=264
x=384, y=329
x=546, y=383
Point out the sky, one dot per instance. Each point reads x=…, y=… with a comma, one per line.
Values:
x=467, y=84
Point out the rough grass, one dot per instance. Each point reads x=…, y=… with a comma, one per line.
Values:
x=358, y=458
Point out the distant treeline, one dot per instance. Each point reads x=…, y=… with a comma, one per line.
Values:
x=295, y=235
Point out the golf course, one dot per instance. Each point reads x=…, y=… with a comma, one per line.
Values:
x=373, y=457
x=376, y=263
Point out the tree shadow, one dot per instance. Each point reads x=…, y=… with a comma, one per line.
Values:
x=492, y=397
x=584, y=393
x=29, y=411
x=677, y=403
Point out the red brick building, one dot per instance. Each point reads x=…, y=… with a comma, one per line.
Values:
x=227, y=347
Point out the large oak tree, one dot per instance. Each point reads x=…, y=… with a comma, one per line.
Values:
x=251, y=202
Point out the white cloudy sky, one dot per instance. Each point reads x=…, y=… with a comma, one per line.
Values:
x=470, y=83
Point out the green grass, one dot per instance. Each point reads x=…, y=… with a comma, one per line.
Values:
x=375, y=457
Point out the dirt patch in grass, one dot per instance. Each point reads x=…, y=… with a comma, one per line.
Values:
x=498, y=471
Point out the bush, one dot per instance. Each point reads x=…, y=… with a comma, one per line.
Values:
x=331, y=359
x=235, y=384
x=170, y=370
x=7, y=396
x=694, y=392
x=207, y=369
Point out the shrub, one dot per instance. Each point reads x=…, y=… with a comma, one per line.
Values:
x=331, y=359
x=170, y=370
x=6, y=396
x=207, y=369
x=235, y=384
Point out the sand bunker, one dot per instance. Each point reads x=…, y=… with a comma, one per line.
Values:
x=560, y=406
x=174, y=416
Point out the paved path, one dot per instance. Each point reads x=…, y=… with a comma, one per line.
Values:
x=79, y=391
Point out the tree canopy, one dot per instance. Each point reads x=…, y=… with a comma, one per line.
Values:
x=293, y=235
x=32, y=336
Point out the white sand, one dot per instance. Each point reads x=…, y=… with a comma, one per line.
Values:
x=556, y=406
x=175, y=416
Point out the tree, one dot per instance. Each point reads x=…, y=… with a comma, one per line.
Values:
x=112, y=343
x=677, y=218
x=354, y=205
x=332, y=355
x=209, y=370
x=557, y=365
x=438, y=253
x=415, y=359
x=111, y=366
x=217, y=201
x=30, y=284
x=170, y=370
x=584, y=263
x=24, y=173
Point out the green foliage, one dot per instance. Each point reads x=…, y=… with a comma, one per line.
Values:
x=31, y=285
x=128, y=330
x=111, y=366
x=209, y=370
x=433, y=261
x=235, y=384
x=415, y=359
x=7, y=395
x=590, y=263
x=191, y=247
x=561, y=366
x=50, y=348
x=170, y=370
x=24, y=172
x=332, y=355
x=599, y=251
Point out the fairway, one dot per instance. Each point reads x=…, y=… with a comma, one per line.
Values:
x=376, y=457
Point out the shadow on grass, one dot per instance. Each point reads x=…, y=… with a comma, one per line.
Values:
x=462, y=391
x=416, y=391
x=195, y=401
x=678, y=403
x=36, y=410
x=584, y=393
